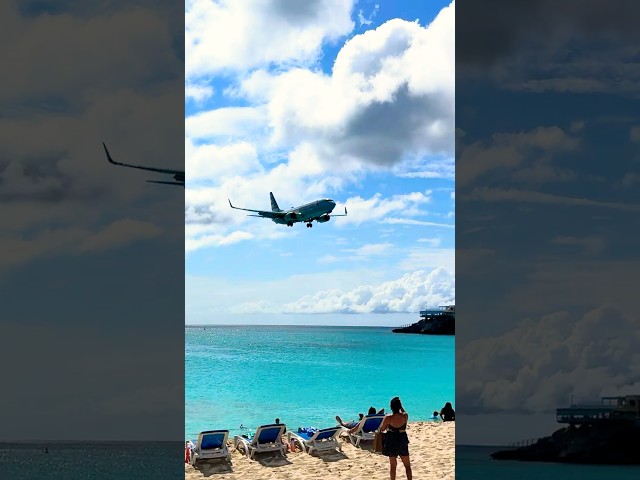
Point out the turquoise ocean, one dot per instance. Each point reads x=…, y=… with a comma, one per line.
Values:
x=249, y=375
x=474, y=462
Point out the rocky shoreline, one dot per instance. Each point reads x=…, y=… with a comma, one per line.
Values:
x=439, y=325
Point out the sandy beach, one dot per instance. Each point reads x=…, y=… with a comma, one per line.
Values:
x=432, y=450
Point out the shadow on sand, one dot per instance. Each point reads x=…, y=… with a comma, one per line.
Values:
x=271, y=460
x=331, y=456
x=214, y=467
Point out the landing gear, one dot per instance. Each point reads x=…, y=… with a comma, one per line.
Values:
x=309, y=225
x=289, y=224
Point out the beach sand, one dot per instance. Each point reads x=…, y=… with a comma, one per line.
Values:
x=431, y=447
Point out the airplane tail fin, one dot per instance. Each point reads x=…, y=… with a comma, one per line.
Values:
x=274, y=204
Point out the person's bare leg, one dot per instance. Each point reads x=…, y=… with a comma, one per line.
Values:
x=339, y=420
x=393, y=463
x=407, y=466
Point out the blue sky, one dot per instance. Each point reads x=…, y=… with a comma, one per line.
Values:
x=352, y=101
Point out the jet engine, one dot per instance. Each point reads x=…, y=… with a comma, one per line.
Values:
x=324, y=218
x=291, y=216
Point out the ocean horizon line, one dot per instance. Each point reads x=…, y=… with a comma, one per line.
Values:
x=253, y=325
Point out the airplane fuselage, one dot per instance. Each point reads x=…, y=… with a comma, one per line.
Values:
x=307, y=212
x=317, y=210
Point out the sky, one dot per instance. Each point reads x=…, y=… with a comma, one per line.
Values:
x=546, y=232
x=352, y=101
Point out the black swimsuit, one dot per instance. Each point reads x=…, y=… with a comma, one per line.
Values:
x=396, y=442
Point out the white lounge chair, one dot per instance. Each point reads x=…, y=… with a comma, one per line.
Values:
x=321, y=441
x=366, y=428
x=211, y=444
x=268, y=438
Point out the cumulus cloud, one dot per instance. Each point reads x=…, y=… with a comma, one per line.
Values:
x=390, y=97
x=541, y=363
x=243, y=34
x=409, y=293
x=209, y=161
x=387, y=105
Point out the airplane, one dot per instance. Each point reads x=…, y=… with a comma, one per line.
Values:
x=318, y=211
x=178, y=175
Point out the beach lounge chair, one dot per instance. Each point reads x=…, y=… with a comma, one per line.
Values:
x=268, y=438
x=211, y=444
x=366, y=428
x=321, y=441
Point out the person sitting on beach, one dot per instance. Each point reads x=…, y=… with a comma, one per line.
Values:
x=395, y=442
x=447, y=413
x=353, y=423
x=278, y=423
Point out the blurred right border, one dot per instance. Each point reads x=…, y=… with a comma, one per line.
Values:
x=547, y=177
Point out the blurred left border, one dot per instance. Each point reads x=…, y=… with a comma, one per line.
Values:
x=92, y=252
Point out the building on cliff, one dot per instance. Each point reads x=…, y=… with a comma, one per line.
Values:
x=441, y=321
x=607, y=410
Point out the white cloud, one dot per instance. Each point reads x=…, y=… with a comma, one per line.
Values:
x=387, y=105
x=410, y=293
x=224, y=122
x=215, y=240
x=407, y=294
x=227, y=297
x=411, y=221
x=433, y=242
x=244, y=34
x=367, y=20
x=210, y=161
x=390, y=97
x=368, y=250
x=198, y=93
x=429, y=258
x=360, y=210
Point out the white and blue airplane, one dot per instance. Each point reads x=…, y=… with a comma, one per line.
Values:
x=318, y=211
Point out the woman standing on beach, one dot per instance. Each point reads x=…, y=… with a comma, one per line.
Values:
x=396, y=442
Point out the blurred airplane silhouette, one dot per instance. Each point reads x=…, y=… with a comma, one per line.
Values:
x=178, y=175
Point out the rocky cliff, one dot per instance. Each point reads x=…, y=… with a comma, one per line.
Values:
x=440, y=325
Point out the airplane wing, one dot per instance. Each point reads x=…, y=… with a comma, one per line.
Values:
x=151, y=169
x=261, y=213
x=166, y=183
x=345, y=213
